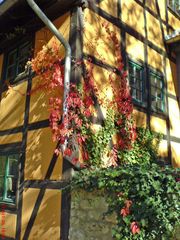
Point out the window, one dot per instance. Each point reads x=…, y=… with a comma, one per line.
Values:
x=136, y=81
x=16, y=61
x=157, y=92
x=8, y=177
x=175, y=5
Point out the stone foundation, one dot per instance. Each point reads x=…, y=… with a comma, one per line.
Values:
x=87, y=221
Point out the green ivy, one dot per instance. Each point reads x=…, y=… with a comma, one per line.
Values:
x=145, y=148
x=153, y=190
x=154, y=193
x=98, y=142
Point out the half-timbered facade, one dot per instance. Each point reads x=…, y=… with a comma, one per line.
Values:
x=32, y=205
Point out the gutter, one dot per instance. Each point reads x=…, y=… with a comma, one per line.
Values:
x=67, y=47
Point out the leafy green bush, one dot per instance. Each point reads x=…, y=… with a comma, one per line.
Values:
x=144, y=197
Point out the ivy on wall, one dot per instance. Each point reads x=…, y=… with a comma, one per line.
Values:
x=117, y=157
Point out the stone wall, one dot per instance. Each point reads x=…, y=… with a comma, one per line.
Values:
x=87, y=221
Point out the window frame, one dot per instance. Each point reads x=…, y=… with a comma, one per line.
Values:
x=4, y=199
x=158, y=76
x=172, y=7
x=16, y=48
x=139, y=66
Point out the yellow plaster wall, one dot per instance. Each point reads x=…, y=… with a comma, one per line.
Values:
x=173, y=21
x=163, y=149
x=134, y=47
x=155, y=59
x=10, y=224
x=39, y=152
x=96, y=40
x=39, y=103
x=44, y=36
x=109, y=6
x=133, y=16
x=12, y=107
x=162, y=7
x=12, y=138
x=47, y=222
x=101, y=79
x=140, y=118
x=158, y=125
x=1, y=64
x=29, y=198
x=151, y=4
x=174, y=117
x=175, y=149
x=154, y=32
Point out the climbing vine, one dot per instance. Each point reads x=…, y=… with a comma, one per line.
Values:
x=118, y=124
x=116, y=156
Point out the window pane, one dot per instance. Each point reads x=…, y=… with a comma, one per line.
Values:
x=12, y=57
x=2, y=165
x=23, y=55
x=133, y=92
x=11, y=188
x=1, y=186
x=11, y=72
x=21, y=65
x=138, y=74
x=153, y=104
x=159, y=84
x=135, y=80
x=16, y=60
x=153, y=91
x=132, y=81
x=13, y=165
x=24, y=52
x=139, y=95
x=159, y=105
x=159, y=94
x=8, y=177
x=157, y=91
x=153, y=80
x=131, y=71
x=139, y=84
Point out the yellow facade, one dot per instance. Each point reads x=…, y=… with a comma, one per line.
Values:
x=133, y=16
x=10, y=224
x=9, y=110
x=47, y=222
x=40, y=148
x=135, y=48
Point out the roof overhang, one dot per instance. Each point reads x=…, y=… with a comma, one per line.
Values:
x=6, y=5
x=15, y=13
x=173, y=40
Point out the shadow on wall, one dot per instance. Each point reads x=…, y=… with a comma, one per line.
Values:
x=175, y=148
x=96, y=40
x=173, y=84
x=47, y=222
x=39, y=104
x=12, y=107
x=39, y=154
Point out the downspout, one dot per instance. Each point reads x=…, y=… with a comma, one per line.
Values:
x=67, y=47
